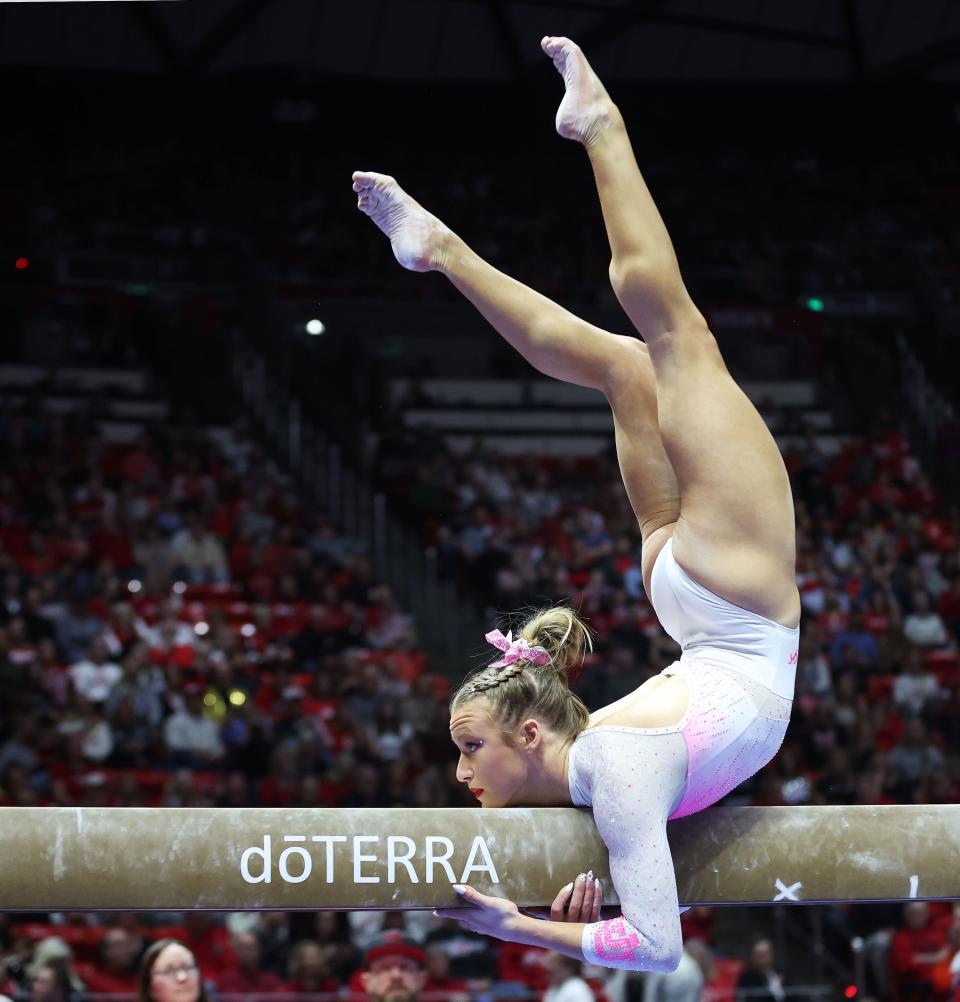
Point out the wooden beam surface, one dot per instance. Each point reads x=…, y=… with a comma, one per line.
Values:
x=60, y=858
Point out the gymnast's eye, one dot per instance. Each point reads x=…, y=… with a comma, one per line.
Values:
x=471, y=746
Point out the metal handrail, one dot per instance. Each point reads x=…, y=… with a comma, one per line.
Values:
x=343, y=492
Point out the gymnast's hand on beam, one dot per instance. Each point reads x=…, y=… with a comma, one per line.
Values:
x=487, y=916
x=578, y=901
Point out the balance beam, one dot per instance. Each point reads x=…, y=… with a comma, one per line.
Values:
x=93, y=859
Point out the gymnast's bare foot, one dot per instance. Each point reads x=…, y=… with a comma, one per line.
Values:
x=586, y=111
x=418, y=238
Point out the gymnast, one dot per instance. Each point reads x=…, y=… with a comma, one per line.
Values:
x=710, y=491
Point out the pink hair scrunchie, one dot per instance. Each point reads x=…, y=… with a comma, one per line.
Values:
x=515, y=650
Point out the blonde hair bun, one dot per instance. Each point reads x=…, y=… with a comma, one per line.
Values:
x=561, y=634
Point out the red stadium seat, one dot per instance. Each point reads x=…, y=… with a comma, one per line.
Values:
x=944, y=664
x=211, y=592
x=36, y=931
x=237, y=612
x=599, y=988
x=523, y=964
x=159, y=932
x=441, y=686
x=879, y=687
x=193, y=612
x=726, y=973
x=83, y=940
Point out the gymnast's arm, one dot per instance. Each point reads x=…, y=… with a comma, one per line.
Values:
x=646, y=937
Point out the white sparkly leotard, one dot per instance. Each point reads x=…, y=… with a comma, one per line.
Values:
x=739, y=670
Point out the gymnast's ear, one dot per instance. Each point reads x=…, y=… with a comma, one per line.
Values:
x=530, y=734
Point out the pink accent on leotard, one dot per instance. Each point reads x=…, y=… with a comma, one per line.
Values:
x=615, y=941
x=727, y=738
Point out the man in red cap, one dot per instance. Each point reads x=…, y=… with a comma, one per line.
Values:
x=395, y=969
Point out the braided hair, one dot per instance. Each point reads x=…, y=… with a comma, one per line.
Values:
x=524, y=689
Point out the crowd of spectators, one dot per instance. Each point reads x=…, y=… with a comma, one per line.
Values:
x=177, y=627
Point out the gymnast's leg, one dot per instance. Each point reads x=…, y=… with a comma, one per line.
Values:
x=553, y=340
x=735, y=533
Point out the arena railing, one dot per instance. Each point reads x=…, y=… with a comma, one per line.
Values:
x=341, y=488
x=930, y=412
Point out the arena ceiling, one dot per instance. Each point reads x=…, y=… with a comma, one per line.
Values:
x=852, y=40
